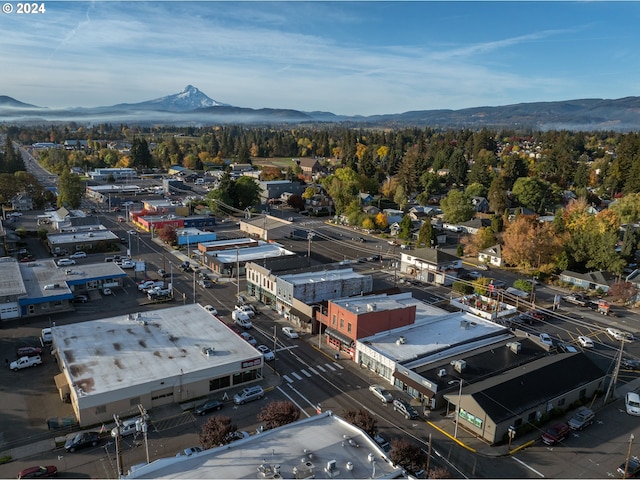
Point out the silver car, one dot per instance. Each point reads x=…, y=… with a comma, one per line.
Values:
x=381, y=393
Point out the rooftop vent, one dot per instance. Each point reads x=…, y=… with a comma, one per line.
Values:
x=371, y=307
x=459, y=365
x=442, y=373
x=401, y=341
x=208, y=351
x=331, y=469
x=464, y=324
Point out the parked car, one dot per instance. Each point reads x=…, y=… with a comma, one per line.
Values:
x=405, y=409
x=128, y=264
x=581, y=419
x=631, y=468
x=382, y=442
x=576, y=299
x=82, y=440
x=556, y=433
x=80, y=299
x=28, y=351
x=127, y=427
x=25, y=362
x=248, y=394
x=132, y=232
x=546, y=339
x=246, y=309
x=381, y=393
x=65, y=262
x=187, y=452
x=248, y=338
x=46, y=337
x=632, y=403
x=585, y=342
x=205, y=283
x=631, y=363
x=210, y=309
x=38, y=472
x=474, y=275
x=619, y=334
x=162, y=273
x=266, y=351
x=107, y=291
x=78, y=255
x=290, y=332
x=210, y=406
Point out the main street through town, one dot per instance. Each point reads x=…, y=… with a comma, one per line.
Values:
x=312, y=378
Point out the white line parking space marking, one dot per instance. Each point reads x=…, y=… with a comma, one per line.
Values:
x=338, y=365
x=329, y=367
x=287, y=378
x=314, y=371
x=306, y=373
x=296, y=375
x=321, y=369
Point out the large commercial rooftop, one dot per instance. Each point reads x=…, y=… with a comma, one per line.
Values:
x=248, y=254
x=382, y=302
x=431, y=335
x=323, y=276
x=80, y=237
x=128, y=350
x=303, y=449
x=11, y=279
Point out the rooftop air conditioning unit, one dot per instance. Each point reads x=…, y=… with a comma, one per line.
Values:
x=208, y=351
x=371, y=307
x=464, y=324
x=459, y=365
x=401, y=341
x=442, y=373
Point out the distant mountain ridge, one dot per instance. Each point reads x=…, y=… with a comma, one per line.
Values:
x=192, y=107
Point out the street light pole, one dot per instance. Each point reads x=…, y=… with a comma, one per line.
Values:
x=237, y=273
x=459, y=380
x=626, y=464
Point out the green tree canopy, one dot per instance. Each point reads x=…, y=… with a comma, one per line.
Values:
x=70, y=190
x=456, y=207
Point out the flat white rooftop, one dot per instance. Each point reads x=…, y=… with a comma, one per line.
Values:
x=327, y=275
x=83, y=236
x=11, y=279
x=431, y=334
x=299, y=450
x=249, y=254
x=232, y=242
x=127, y=350
x=382, y=302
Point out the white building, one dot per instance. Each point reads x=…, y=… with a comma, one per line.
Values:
x=321, y=446
x=172, y=355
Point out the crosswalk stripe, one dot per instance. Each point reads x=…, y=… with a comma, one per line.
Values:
x=314, y=371
x=287, y=378
x=338, y=365
x=306, y=373
x=320, y=368
x=296, y=375
x=329, y=367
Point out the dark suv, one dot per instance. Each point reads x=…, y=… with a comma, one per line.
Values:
x=82, y=440
x=405, y=409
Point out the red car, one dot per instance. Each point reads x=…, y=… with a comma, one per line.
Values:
x=556, y=433
x=38, y=472
x=28, y=351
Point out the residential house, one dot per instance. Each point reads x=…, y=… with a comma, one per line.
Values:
x=393, y=215
x=472, y=226
x=311, y=167
x=365, y=198
x=481, y=204
x=22, y=202
x=431, y=265
x=491, y=255
x=590, y=280
x=371, y=210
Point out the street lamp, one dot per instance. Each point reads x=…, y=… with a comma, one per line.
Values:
x=459, y=380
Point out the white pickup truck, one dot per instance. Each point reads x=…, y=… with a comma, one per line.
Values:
x=25, y=362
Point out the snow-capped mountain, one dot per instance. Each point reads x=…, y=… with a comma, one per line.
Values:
x=189, y=99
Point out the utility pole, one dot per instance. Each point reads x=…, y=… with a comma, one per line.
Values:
x=119, y=464
x=310, y=236
x=194, y=286
x=237, y=273
x=143, y=426
x=275, y=344
x=614, y=378
x=626, y=464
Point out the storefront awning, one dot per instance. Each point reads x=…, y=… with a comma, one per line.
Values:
x=303, y=317
x=413, y=384
x=338, y=336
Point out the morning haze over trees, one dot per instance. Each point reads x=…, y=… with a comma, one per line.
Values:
x=573, y=176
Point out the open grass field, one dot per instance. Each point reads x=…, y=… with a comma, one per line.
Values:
x=280, y=162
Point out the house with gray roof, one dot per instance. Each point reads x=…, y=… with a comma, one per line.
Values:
x=589, y=280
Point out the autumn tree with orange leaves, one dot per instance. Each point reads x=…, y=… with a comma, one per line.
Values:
x=531, y=245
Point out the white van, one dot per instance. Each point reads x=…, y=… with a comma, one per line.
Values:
x=241, y=319
x=632, y=402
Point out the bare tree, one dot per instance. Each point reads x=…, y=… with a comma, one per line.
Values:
x=362, y=419
x=278, y=413
x=218, y=430
x=408, y=455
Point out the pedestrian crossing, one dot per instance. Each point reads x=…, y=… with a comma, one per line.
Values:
x=309, y=372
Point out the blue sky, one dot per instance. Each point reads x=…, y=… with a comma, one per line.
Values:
x=348, y=58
